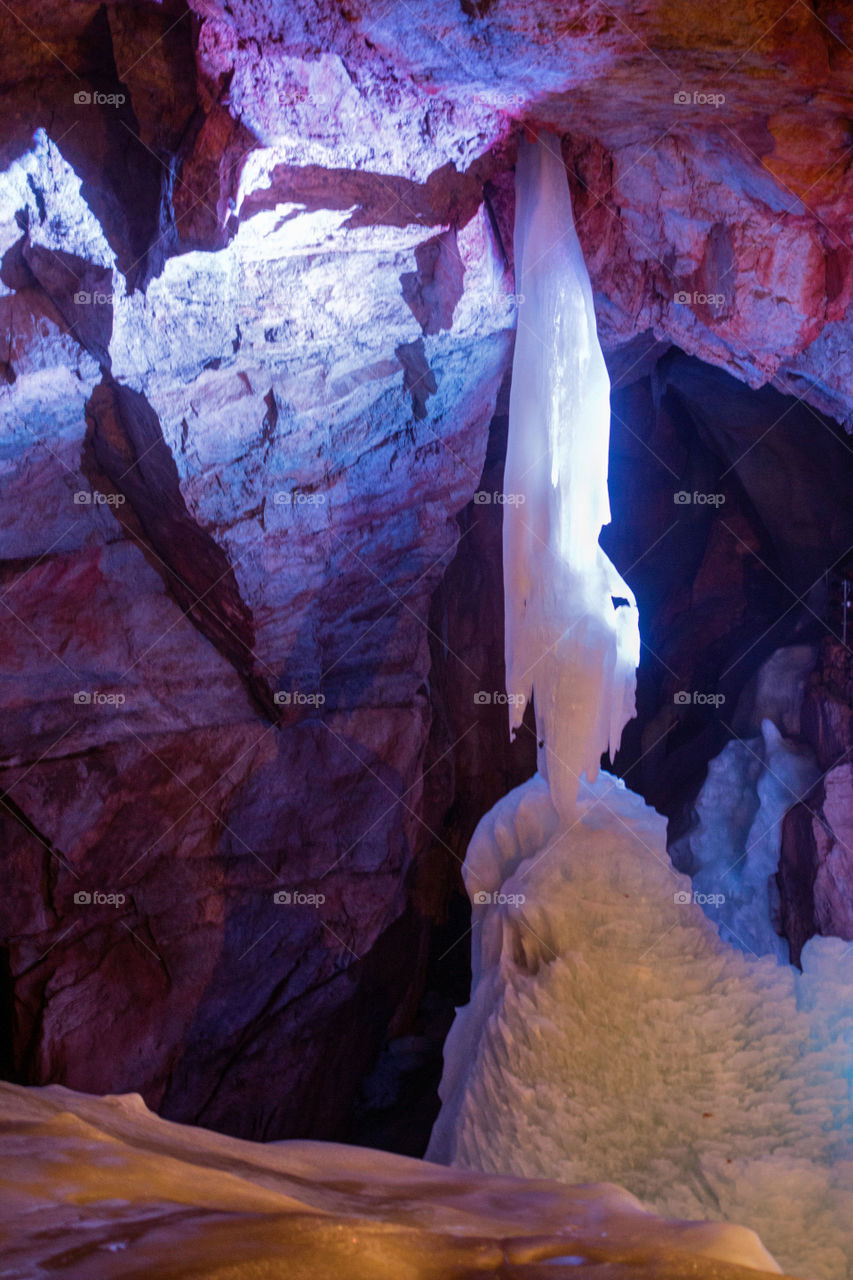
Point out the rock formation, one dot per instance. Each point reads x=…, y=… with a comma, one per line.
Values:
x=258, y=308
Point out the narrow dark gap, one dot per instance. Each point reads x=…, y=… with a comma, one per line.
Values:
x=8, y=1070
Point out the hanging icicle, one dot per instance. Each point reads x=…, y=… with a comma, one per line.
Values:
x=567, y=644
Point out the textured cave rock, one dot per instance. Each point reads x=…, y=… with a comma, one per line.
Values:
x=816, y=863
x=296, y=230
x=244, y=512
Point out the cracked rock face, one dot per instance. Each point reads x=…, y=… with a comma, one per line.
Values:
x=255, y=275
x=228, y=502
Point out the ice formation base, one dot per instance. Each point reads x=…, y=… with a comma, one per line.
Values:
x=612, y=1033
x=732, y=852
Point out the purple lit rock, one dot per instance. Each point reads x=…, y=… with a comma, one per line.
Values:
x=297, y=229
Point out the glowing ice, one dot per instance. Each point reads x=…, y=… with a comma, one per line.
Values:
x=566, y=642
x=102, y=1187
x=733, y=851
x=611, y=1032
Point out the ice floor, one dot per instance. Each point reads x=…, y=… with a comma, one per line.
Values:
x=100, y=1188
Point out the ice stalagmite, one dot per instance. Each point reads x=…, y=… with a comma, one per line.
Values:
x=567, y=644
x=612, y=1033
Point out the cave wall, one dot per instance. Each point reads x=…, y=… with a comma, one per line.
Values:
x=228, y=501
x=816, y=862
x=730, y=519
x=732, y=523
x=256, y=282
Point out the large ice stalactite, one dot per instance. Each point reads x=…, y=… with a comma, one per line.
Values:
x=568, y=644
x=612, y=1033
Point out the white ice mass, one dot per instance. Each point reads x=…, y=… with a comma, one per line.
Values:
x=612, y=1031
x=732, y=853
x=567, y=644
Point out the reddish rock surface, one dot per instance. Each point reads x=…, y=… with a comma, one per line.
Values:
x=295, y=232
x=220, y=548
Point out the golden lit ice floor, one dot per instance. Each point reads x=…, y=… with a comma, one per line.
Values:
x=101, y=1187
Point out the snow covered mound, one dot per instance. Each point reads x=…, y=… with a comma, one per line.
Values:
x=101, y=1188
x=613, y=1034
